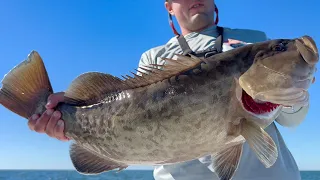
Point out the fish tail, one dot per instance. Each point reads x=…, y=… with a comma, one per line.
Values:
x=26, y=87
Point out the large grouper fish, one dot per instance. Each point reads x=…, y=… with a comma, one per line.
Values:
x=183, y=109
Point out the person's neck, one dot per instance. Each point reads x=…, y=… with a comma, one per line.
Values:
x=187, y=31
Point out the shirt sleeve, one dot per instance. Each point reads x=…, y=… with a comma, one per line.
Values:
x=144, y=61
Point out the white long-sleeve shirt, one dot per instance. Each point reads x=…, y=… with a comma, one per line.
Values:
x=250, y=168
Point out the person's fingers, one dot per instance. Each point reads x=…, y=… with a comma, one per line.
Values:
x=32, y=121
x=54, y=99
x=59, y=131
x=42, y=122
x=52, y=124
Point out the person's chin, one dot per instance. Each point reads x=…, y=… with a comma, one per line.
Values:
x=199, y=20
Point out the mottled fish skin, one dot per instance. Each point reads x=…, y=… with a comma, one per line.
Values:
x=165, y=120
x=178, y=124
x=190, y=108
x=169, y=121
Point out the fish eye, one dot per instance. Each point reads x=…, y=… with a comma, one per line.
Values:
x=280, y=47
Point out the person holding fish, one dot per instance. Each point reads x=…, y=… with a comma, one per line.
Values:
x=201, y=37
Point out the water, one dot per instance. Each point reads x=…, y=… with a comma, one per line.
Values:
x=124, y=175
x=310, y=175
x=73, y=175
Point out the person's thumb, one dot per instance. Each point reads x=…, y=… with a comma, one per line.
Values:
x=54, y=99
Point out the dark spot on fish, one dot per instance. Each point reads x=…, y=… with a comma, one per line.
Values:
x=112, y=134
x=102, y=131
x=186, y=129
x=108, y=138
x=101, y=119
x=154, y=152
x=224, y=98
x=149, y=127
x=122, y=111
x=115, y=145
x=171, y=146
x=163, y=110
x=148, y=115
x=214, y=98
x=141, y=105
x=177, y=120
x=157, y=132
x=127, y=128
x=148, y=146
x=198, y=125
x=158, y=95
x=198, y=106
x=151, y=138
x=163, y=137
x=128, y=138
x=126, y=105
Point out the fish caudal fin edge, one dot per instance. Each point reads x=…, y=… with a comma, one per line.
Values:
x=261, y=143
x=226, y=162
x=26, y=87
x=89, y=163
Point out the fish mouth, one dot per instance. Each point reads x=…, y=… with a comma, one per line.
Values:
x=256, y=107
x=267, y=105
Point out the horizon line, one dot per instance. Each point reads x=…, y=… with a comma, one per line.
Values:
x=145, y=169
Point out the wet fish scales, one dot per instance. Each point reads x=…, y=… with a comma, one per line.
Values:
x=173, y=114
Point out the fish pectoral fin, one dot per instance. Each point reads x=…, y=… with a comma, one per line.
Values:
x=92, y=87
x=88, y=162
x=261, y=143
x=225, y=163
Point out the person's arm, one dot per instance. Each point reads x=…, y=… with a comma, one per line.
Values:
x=144, y=61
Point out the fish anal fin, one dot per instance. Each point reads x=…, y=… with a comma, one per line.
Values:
x=260, y=142
x=92, y=87
x=26, y=87
x=225, y=163
x=89, y=163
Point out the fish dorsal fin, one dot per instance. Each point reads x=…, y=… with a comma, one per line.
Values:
x=92, y=87
x=87, y=162
x=154, y=72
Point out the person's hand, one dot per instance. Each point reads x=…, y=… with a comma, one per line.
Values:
x=50, y=121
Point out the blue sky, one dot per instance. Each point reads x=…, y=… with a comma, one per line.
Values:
x=77, y=36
